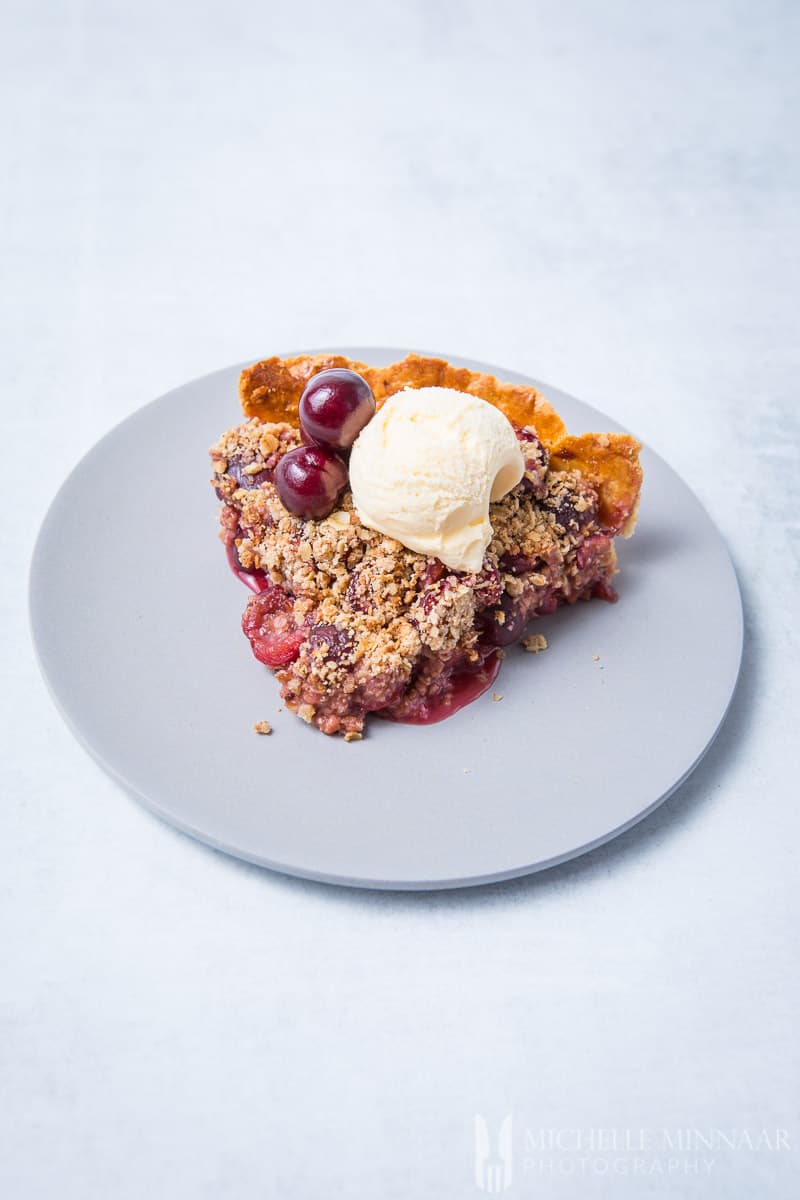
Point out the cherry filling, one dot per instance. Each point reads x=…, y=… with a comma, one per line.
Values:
x=439, y=687
x=269, y=625
x=237, y=472
x=505, y=624
x=462, y=688
x=254, y=579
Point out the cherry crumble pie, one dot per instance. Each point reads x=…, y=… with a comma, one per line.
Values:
x=353, y=621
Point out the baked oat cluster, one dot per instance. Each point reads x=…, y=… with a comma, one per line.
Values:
x=352, y=621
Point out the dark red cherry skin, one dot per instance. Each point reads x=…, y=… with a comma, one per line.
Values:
x=335, y=407
x=508, y=628
x=310, y=480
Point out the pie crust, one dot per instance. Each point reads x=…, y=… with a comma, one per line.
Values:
x=271, y=389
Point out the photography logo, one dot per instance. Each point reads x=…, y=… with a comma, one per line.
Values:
x=493, y=1163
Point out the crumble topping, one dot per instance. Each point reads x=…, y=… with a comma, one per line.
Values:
x=534, y=643
x=378, y=626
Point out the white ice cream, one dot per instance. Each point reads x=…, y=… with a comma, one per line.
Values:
x=426, y=467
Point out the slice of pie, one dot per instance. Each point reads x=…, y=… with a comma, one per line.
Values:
x=351, y=617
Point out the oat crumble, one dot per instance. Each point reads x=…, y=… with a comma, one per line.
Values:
x=353, y=622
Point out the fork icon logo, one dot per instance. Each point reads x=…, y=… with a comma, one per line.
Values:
x=493, y=1166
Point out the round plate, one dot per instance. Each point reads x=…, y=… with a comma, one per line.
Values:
x=136, y=621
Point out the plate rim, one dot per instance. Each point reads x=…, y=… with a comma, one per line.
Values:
x=332, y=878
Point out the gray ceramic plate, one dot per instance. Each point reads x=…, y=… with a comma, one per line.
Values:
x=136, y=621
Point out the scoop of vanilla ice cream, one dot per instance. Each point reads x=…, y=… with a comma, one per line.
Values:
x=426, y=467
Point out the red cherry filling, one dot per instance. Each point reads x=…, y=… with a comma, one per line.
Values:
x=310, y=480
x=236, y=471
x=505, y=624
x=252, y=577
x=332, y=642
x=335, y=407
x=268, y=624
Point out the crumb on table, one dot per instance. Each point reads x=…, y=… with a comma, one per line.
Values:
x=262, y=727
x=534, y=643
x=497, y=696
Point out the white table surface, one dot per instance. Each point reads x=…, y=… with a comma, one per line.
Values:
x=605, y=196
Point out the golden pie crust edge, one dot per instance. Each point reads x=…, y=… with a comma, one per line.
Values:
x=271, y=389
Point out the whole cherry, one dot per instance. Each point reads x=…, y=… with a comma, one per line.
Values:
x=335, y=407
x=310, y=480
